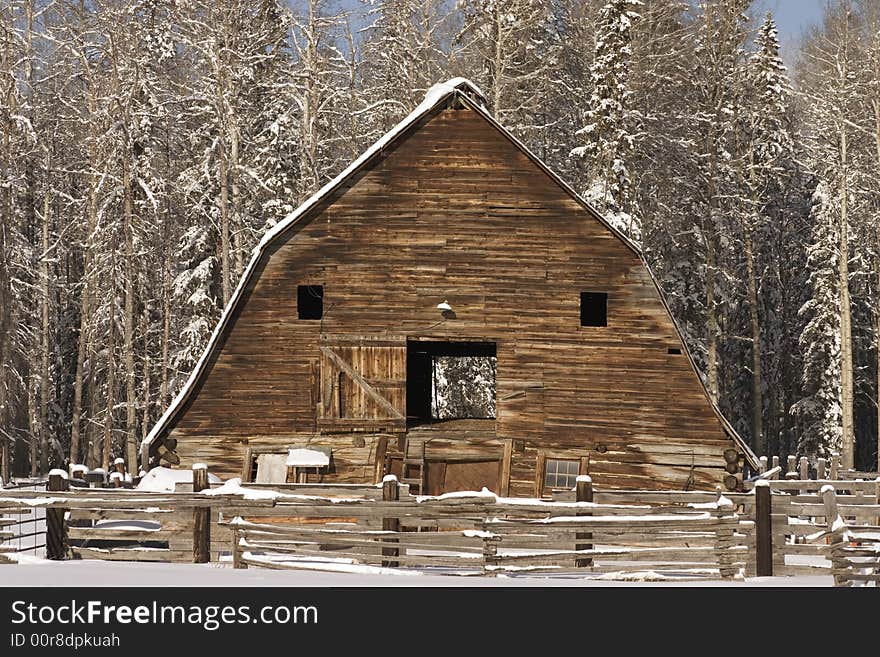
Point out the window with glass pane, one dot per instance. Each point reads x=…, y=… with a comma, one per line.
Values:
x=560, y=473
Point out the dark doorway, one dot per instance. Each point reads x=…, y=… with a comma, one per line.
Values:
x=449, y=380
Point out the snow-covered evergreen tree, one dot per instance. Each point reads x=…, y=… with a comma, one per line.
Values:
x=820, y=410
x=194, y=294
x=765, y=151
x=609, y=133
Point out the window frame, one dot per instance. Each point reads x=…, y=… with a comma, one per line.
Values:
x=541, y=489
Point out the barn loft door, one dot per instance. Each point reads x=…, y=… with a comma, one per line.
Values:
x=362, y=384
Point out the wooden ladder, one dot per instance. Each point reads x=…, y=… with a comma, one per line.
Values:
x=413, y=457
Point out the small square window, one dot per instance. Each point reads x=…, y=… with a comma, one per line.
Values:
x=310, y=301
x=560, y=473
x=594, y=309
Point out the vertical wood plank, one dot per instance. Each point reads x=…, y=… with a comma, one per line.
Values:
x=390, y=493
x=763, y=529
x=201, y=518
x=584, y=493
x=504, y=484
x=56, y=526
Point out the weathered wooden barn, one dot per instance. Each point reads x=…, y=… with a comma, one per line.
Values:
x=449, y=239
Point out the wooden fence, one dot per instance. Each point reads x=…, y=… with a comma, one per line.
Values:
x=10, y=516
x=119, y=524
x=632, y=534
x=852, y=549
x=481, y=534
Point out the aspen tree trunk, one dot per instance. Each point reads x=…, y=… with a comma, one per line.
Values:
x=232, y=172
x=847, y=452
x=44, y=342
x=33, y=429
x=166, y=288
x=5, y=283
x=876, y=105
x=497, y=62
x=711, y=267
x=83, y=346
x=92, y=454
x=166, y=327
x=145, y=423
x=224, y=227
x=760, y=442
x=107, y=445
x=131, y=448
x=309, y=150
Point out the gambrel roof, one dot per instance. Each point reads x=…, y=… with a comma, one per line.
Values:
x=439, y=97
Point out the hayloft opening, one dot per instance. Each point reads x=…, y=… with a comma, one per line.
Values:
x=310, y=301
x=449, y=381
x=594, y=309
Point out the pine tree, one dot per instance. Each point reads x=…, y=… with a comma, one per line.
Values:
x=609, y=133
x=767, y=165
x=820, y=410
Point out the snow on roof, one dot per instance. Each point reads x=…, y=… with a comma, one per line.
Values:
x=162, y=479
x=476, y=100
x=307, y=458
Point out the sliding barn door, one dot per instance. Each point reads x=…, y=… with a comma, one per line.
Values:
x=362, y=384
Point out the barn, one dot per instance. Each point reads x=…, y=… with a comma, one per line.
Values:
x=447, y=309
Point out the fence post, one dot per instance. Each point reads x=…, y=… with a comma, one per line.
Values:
x=877, y=496
x=56, y=527
x=237, y=563
x=820, y=469
x=762, y=464
x=763, y=530
x=584, y=493
x=724, y=535
x=490, y=551
x=829, y=499
x=791, y=467
x=201, y=517
x=390, y=493
x=835, y=464
x=775, y=465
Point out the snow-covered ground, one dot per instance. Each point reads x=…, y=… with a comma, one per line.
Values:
x=34, y=571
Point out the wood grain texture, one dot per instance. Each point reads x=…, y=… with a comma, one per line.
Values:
x=456, y=212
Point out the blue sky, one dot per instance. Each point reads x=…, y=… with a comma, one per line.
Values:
x=792, y=17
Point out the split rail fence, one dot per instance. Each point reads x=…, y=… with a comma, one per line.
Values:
x=779, y=526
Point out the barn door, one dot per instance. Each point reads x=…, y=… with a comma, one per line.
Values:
x=362, y=384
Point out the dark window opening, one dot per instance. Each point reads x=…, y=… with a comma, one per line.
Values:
x=673, y=351
x=310, y=301
x=449, y=381
x=594, y=309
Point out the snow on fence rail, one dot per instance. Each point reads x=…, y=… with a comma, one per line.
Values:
x=592, y=531
x=482, y=534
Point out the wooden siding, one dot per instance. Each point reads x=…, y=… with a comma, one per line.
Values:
x=456, y=212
